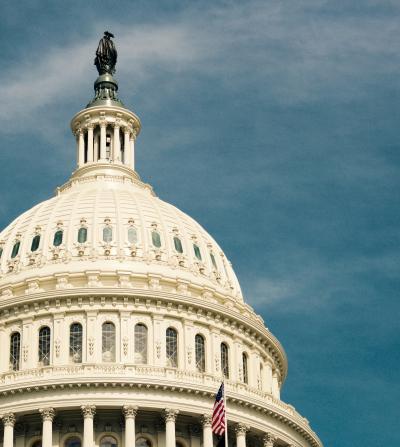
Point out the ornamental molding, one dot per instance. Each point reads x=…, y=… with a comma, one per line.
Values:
x=170, y=414
x=206, y=420
x=130, y=411
x=88, y=411
x=9, y=419
x=47, y=414
x=241, y=429
x=269, y=440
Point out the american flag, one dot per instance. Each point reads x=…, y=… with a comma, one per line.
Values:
x=218, y=417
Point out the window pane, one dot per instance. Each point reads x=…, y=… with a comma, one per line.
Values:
x=245, y=370
x=1, y=252
x=15, y=350
x=156, y=239
x=178, y=244
x=197, y=251
x=58, y=238
x=82, y=235
x=35, y=242
x=108, y=441
x=200, y=353
x=44, y=346
x=143, y=442
x=108, y=342
x=15, y=249
x=73, y=442
x=75, y=343
x=140, y=343
x=172, y=347
x=132, y=235
x=107, y=234
x=225, y=360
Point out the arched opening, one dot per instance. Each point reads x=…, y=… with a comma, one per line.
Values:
x=35, y=243
x=140, y=343
x=73, y=441
x=245, y=368
x=225, y=360
x=143, y=442
x=108, y=342
x=75, y=342
x=15, y=351
x=15, y=249
x=82, y=235
x=200, y=351
x=44, y=346
x=58, y=238
x=171, y=346
x=108, y=441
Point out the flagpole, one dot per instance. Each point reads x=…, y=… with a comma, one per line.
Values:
x=226, y=415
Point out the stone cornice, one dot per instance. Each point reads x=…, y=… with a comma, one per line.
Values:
x=294, y=420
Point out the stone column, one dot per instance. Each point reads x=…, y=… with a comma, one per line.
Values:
x=103, y=126
x=81, y=149
x=170, y=418
x=132, y=148
x=116, y=144
x=269, y=440
x=240, y=430
x=8, y=422
x=127, y=148
x=207, y=431
x=90, y=154
x=130, y=412
x=88, y=412
x=47, y=432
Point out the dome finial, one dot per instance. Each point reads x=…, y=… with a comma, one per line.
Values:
x=106, y=55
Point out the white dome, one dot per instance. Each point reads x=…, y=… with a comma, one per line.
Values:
x=123, y=204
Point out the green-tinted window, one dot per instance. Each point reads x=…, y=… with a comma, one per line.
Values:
x=15, y=249
x=58, y=238
x=107, y=234
x=82, y=235
x=35, y=242
x=178, y=244
x=214, y=262
x=197, y=251
x=155, y=237
x=132, y=235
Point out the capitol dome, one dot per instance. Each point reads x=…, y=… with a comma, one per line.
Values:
x=120, y=315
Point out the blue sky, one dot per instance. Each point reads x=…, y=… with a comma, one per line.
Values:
x=275, y=124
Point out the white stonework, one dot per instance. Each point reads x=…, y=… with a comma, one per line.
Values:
x=118, y=278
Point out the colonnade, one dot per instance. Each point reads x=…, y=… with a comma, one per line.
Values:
x=129, y=411
x=95, y=147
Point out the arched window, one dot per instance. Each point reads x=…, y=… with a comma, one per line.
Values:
x=200, y=353
x=143, y=442
x=156, y=238
x=197, y=253
x=75, y=342
x=35, y=243
x=172, y=347
x=44, y=346
x=108, y=441
x=82, y=235
x=37, y=443
x=107, y=234
x=132, y=235
x=58, y=238
x=214, y=262
x=15, y=249
x=15, y=350
x=108, y=342
x=225, y=360
x=73, y=442
x=140, y=343
x=260, y=380
x=178, y=244
x=245, y=368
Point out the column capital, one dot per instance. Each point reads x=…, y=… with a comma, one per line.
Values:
x=170, y=414
x=8, y=419
x=130, y=411
x=269, y=440
x=241, y=429
x=47, y=414
x=206, y=420
x=88, y=411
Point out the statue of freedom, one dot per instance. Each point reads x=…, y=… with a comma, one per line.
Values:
x=106, y=55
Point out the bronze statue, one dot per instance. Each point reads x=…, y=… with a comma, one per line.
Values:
x=106, y=55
